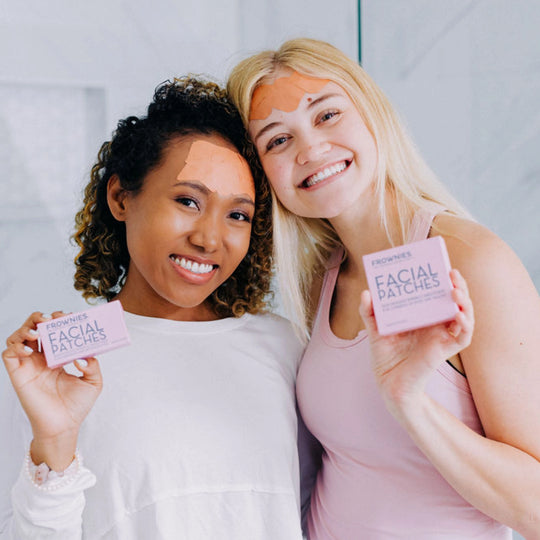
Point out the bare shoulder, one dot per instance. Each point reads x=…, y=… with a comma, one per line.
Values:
x=502, y=291
x=502, y=361
x=478, y=252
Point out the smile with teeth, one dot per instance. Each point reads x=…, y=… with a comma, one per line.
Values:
x=192, y=266
x=325, y=173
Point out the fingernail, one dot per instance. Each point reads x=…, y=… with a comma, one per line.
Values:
x=33, y=332
x=82, y=362
x=28, y=349
x=46, y=315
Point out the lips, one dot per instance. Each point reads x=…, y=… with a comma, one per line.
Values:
x=325, y=173
x=193, y=266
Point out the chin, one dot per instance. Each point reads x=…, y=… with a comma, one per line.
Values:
x=324, y=213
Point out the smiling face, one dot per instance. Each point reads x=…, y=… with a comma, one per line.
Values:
x=187, y=229
x=320, y=158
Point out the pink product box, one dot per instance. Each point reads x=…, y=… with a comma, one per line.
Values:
x=410, y=286
x=83, y=334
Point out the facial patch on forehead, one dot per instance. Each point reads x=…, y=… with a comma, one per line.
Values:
x=221, y=169
x=283, y=94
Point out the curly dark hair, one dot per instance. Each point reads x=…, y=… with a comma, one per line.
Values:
x=180, y=107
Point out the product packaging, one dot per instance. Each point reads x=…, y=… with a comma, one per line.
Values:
x=410, y=286
x=83, y=334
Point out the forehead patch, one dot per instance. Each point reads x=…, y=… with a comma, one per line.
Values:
x=222, y=170
x=283, y=94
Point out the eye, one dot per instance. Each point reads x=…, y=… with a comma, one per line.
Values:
x=187, y=201
x=327, y=115
x=240, y=216
x=276, y=141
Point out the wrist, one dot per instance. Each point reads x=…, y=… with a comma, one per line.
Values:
x=56, y=452
x=43, y=478
x=409, y=408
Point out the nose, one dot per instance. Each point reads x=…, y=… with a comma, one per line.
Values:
x=206, y=233
x=311, y=149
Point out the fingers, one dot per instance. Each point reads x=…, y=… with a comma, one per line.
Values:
x=458, y=280
x=24, y=341
x=366, y=311
x=461, y=328
x=460, y=294
x=15, y=354
x=27, y=332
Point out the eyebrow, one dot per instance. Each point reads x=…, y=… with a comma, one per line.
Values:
x=244, y=200
x=206, y=191
x=322, y=98
x=265, y=129
x=311, y=104
x=195, y=185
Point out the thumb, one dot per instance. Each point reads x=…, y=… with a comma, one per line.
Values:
x=90, y=370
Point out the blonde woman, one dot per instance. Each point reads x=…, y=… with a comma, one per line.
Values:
x=428, y=434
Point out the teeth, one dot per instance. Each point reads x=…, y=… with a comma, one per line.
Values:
x=325, y=173
x=192, y=266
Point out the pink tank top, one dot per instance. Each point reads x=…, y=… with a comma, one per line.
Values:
x=374, y=483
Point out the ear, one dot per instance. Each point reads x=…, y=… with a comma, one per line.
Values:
x=116, y=198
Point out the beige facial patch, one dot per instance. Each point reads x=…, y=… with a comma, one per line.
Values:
x=222, y=170
x=283, y=94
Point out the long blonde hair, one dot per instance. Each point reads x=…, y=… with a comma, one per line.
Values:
x=302, y=245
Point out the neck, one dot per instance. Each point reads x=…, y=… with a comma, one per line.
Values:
x=141, y=300
x=361, y=231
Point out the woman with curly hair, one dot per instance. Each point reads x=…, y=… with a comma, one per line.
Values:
x=194, y=433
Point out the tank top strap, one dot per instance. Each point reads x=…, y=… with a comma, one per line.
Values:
x=328, y=286
x=422, y=221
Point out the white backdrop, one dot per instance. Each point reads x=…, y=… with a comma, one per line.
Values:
x=465, y=76
x=68, y=71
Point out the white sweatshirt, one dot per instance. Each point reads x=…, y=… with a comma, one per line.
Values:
x=193, y=437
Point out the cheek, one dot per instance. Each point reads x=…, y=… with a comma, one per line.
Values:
x=280, y=179
x=275, y=168
x=152, y=233
x=243, y=245
x=237, y=242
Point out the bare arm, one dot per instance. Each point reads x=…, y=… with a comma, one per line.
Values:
x=500, y=473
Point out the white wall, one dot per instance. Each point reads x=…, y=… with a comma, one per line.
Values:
x=69, y=70
x=465, y=75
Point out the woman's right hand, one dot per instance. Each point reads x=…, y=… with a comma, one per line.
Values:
x=55, y=402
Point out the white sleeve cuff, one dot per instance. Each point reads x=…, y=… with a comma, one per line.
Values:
x=45, y=479
x=53, y=509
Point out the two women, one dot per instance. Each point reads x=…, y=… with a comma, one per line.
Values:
x=426, y=434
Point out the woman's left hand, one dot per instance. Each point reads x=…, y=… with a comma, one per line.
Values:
x=402, y=363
